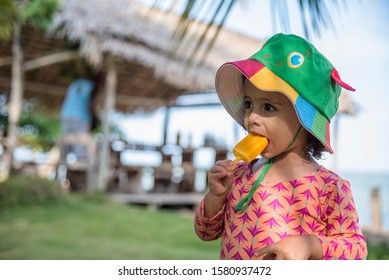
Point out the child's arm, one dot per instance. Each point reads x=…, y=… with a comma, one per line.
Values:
x=344, y=239
x=209, y=215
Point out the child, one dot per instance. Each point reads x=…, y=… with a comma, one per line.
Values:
x=283, y=205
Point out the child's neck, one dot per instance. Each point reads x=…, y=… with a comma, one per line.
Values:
x=287, y=167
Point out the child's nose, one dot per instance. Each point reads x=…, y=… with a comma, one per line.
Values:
x=254, y=119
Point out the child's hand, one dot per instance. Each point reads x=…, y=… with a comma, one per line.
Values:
x=220, y=178
x=299, y=247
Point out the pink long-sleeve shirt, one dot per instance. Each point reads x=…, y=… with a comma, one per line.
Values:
x=320, y=203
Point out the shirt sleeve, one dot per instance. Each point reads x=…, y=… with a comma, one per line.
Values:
x=344, y=239
x=208, y=228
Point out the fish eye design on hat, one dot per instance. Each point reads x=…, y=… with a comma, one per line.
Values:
x=295, y=59
x=310, y=82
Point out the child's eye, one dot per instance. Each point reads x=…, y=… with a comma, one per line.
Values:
x=268, y=107
x=247, y=104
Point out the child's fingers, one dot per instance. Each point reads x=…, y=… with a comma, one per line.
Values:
x=219, y=171
x=218, y=175
x=225, y=163
x=269, y=249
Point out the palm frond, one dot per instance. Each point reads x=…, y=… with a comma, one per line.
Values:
x=315, y=18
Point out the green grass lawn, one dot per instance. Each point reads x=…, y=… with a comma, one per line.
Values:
x=94, y=229
x=82, y=227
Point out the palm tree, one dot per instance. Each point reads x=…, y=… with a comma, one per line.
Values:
x=12, y=15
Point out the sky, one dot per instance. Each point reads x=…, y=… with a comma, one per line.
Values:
x=358, y=48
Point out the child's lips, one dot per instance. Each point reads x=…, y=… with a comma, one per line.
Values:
x=266, y=147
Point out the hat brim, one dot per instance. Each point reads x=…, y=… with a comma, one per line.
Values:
x=229, y=88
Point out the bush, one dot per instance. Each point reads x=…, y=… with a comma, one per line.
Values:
x=28, y=190
x=378, y=252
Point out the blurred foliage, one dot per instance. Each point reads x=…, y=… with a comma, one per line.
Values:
x=378, y=252
x=116, y=133
x=37, y=13
x=24, y=190
x=38, y=129
x=7, y=13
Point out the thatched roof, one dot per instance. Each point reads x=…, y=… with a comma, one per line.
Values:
x=135, y=32
x=149, y=75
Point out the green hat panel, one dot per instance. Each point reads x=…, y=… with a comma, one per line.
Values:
x=299, y=63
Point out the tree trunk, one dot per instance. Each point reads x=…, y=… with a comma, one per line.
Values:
x=15, y=104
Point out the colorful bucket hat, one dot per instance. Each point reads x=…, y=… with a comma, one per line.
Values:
x=288, y=64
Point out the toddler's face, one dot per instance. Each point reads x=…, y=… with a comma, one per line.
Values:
x=272, y=115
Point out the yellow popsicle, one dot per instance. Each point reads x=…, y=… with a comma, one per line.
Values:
x=249, y=148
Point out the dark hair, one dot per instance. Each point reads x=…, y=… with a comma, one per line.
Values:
x=243, y=78
x=314, y=148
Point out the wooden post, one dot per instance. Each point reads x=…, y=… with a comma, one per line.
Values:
x=109, y=104
x=376, y=210
x=15, y=103
x=166, y=125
